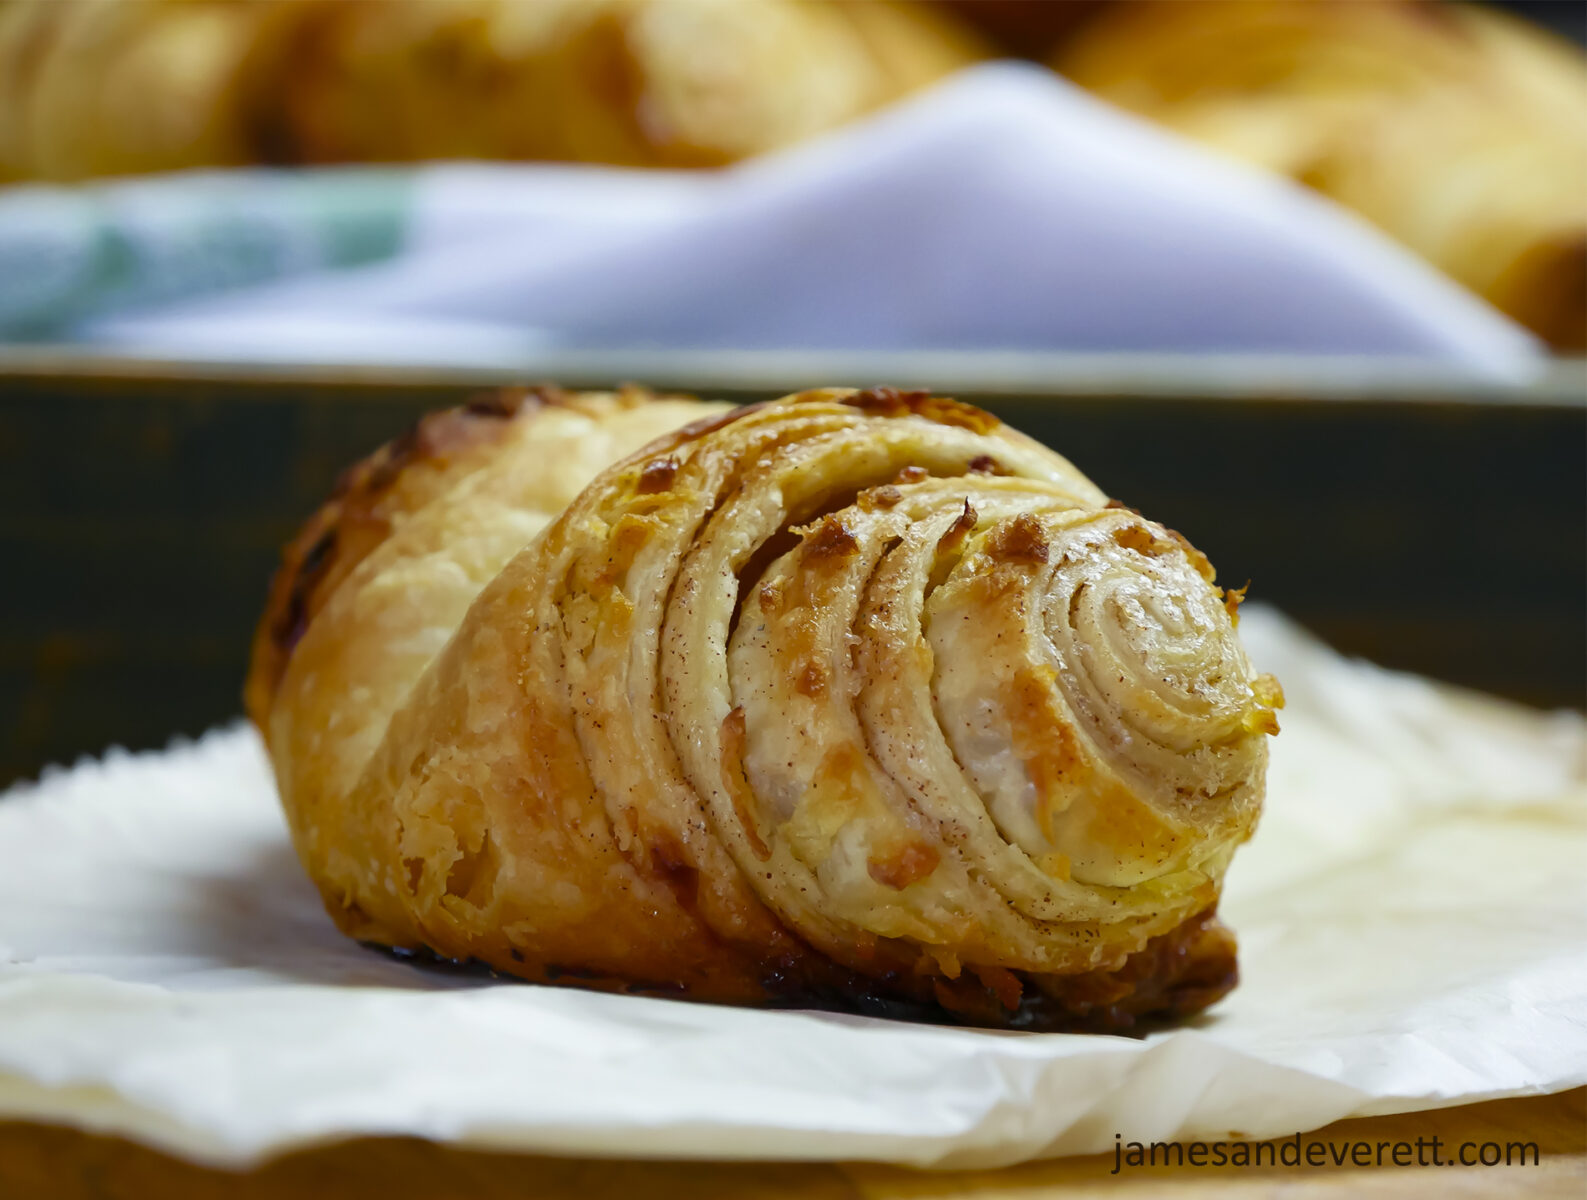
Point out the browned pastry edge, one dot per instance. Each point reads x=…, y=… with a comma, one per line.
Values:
x=1175, y=975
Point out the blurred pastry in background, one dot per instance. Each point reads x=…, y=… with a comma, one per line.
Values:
x=107, y=87
x=120, y=87
x=631, y=82
x=1458, y=130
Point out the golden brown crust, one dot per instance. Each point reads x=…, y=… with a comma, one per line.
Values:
x=679, y=731
x=895, y=402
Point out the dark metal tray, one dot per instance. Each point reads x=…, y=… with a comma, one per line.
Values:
x=1429, y=523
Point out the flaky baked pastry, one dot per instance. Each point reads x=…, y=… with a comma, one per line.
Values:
x=1457, y=129
x=99, y=87
x=856, y=699
x=635, y=82
x=117, y=87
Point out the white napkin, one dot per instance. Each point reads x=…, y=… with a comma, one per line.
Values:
x=1003, y=209
x=1412, y=916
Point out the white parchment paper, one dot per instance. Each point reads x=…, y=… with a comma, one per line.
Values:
x=1412, y=916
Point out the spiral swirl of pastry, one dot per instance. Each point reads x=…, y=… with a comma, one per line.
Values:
x=854, y=698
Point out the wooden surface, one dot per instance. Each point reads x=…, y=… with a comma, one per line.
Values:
x=46, y=1163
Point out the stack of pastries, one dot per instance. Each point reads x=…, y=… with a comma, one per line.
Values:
x=858, y=700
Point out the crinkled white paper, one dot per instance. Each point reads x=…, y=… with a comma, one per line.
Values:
x=1412, y=917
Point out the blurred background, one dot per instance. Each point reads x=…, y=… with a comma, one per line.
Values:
x=1306, y=279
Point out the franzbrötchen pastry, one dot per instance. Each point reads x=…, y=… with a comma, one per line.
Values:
x=859, y=700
